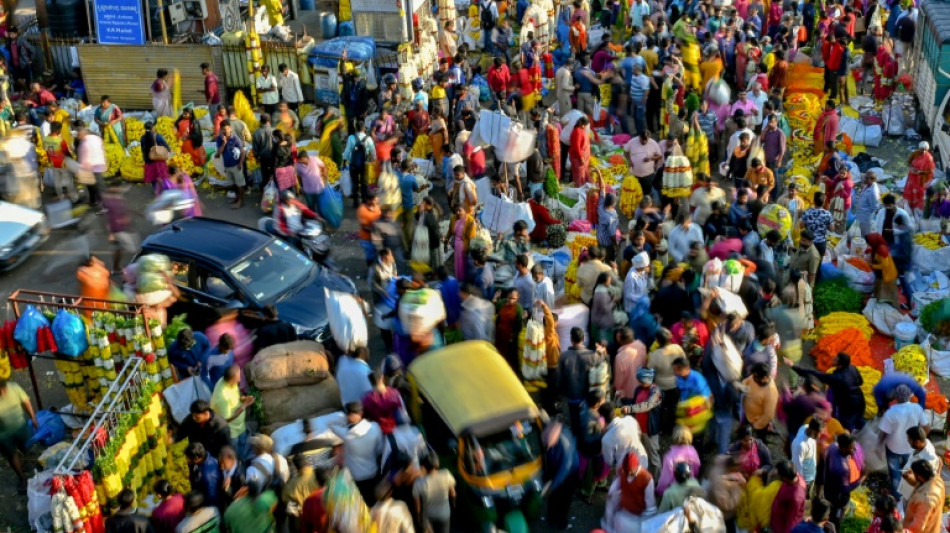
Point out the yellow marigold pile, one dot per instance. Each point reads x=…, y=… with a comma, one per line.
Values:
x=861, y=498
x=912, y=360
x=200, y=112
x=837, y=321
x=115, y=154
x=332, y=174
x=186, y=164
x=133, y=165
x=165, y=126
x=134, y=129
x=870, y=376
x=930, y=241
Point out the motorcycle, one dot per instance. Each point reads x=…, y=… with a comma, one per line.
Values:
x=171, y=205
x=311, y=240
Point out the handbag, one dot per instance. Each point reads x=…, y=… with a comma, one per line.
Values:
x=158, y=152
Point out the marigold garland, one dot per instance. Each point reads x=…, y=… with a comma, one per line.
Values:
x=937, y=402
x=839, y=320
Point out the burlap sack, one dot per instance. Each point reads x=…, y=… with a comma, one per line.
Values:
x=285, y=405
x=293, y=363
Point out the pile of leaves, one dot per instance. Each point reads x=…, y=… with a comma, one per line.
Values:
x=835, y=295
x=933, y=315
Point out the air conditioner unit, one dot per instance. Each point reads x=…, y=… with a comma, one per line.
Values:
x=196, y=9
x=176, y=13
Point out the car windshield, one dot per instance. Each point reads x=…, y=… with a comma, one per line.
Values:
x=271, y=269
x=518, y=445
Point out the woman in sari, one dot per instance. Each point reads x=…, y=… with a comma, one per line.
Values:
x=109, y=118
x=180, y=181
x=752, y=454
x=553, y=140
x=885, y=71
x=438, y=136
x=284, y=174
x=161, y=94
x=189, y=133
x=919, y=175
x=838, y=197
x=328, y=130
x=156, y=171
x=885, y=271
x=462, y=227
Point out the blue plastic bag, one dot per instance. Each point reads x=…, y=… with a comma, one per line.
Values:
x=52, y=429
x=331, y=207
x=69, y=331
x=25, y=331
x=828, y=271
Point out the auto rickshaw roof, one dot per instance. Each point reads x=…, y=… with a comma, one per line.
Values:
x=472, y=388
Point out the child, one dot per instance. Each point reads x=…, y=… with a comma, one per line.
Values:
x=644, y=406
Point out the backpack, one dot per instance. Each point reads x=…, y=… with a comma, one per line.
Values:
x=358, y=158
x=486, y=17
x=272, y=480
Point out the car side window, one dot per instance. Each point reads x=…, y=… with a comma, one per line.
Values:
x=214, y=285
x=182, y=272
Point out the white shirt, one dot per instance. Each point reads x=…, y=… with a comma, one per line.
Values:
x=701, y=201
x=475, y=321
x=679, y=239
x=636, y=286
x=364, y=448
x=805, y=454
x=734, y=141
x=896, y=421
x=759, y=105
x=544, y=291
x=929, y=454
x=269, y=82
x=290, y=87
x=621, y=437
x=262, y=468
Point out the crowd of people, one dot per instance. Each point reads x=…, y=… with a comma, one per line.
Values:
x=645, y=402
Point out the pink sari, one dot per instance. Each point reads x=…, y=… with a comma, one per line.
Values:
x=749, y=460
x=460, y=248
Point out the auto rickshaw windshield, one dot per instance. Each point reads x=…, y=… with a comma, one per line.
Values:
x=503, y=451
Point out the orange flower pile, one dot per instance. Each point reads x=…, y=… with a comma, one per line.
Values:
x=616, y=159
x=937, y=402
x=850, y=341
x=859, y=264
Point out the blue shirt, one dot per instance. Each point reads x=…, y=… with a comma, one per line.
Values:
x=606, y=224
x=627, y=65
x=196, y=356
x=407, y=185
x=352, y=375
x=693, y=384
x=808, y=527
x=885, y=387
x=215, y=365
x=227, y=150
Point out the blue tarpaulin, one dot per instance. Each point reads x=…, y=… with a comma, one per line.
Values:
x=327, y=54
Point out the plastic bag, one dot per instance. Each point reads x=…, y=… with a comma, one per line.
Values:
x=347, y=321
x=389, y=193
x=730, y=302
x=269, y=197
x=420, y=245
x=331, y=207
x=26, y=326
x=154, y=263
x=52, y=429
x=726, y=358
x=869, y=437
x=150, y=282
x=939, y=359
x=180, y=396
x=884, y=317
x=39, y=500
x=420, y=311
x=70, y=332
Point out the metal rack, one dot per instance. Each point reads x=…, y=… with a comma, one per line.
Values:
x=120, y=399
x=53, y=301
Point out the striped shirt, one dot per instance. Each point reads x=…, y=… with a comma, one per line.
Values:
x=639, y=85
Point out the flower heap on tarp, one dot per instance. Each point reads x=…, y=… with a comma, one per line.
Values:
x=930, y=241
x=912, y=359
x=837, y=321
x=850, y=341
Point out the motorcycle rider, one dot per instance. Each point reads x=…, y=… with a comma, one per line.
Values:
x=289, y=216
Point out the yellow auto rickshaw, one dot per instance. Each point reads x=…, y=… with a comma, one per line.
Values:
x=476, y=414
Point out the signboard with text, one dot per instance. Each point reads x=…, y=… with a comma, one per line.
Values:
x=120, y=22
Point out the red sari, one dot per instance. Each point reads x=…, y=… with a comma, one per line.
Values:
x=885, y=73
x=920, y=174
x=580, y=156
x=198, y=155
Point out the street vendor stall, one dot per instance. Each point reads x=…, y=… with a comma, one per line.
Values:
x=88, y=338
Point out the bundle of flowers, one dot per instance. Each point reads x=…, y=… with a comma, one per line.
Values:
x=850, y=341
x=912, y=359
x=839, y=320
